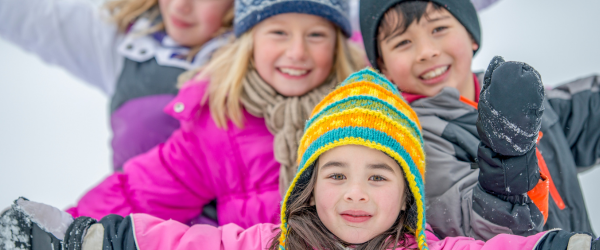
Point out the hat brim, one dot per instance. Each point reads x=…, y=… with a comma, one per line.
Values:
x=305, y=7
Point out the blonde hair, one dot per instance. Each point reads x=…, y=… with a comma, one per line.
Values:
x=125, y=12
x=229, y=66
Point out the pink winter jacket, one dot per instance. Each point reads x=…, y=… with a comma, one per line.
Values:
x=154, y=233
x=197, y=164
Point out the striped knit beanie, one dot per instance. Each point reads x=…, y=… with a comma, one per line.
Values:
x=366, y=109
x=251, y=12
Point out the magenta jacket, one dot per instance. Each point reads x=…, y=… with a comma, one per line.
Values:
x=153, y=233
x=198, y=163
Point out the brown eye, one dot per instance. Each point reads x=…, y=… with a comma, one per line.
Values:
x=317, y=34
x=402, y=43
x=278, y=32
x=377, y=178
x=439, y=29
x=337, y=177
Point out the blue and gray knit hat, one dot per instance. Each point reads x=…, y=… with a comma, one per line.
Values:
x=251, y=12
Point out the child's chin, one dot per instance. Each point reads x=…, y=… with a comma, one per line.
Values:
x=356, y=239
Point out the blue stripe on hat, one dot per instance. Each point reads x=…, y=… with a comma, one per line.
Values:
x=369, y=134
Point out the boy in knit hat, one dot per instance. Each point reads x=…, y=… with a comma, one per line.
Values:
x=481, y=184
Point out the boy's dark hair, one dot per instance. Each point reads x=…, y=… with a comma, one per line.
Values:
x=397, y=19
x=373, y=11
x=306, y=231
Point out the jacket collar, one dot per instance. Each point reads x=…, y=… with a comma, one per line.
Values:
x=413, y=97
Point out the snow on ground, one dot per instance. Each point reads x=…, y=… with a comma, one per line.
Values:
x=54, y=134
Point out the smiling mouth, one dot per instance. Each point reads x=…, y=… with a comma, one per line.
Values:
x=180, y=23
x=434, y=73
x=356, y=217
x=294, y=72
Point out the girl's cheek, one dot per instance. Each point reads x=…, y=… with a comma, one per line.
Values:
x=263, y=56
x=209, y=18
x=388, y=200
x=326, y=196
x=323, y=54
x=163, y=7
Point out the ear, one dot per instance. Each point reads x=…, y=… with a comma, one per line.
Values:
x=474, y=45
x=312, y=200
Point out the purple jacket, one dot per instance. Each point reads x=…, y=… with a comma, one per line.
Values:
x=198, y=163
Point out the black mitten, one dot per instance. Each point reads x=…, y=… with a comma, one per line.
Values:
x=557, y=239
x=34, y=226
x=510, y=107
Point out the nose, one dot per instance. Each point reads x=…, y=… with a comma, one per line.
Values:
x=297, y=49
x=356, y=193
x=427, y=50
x=182, y=6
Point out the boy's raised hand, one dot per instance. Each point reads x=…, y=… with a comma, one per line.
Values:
x=510, y=107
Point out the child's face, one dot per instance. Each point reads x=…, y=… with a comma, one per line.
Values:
x=359, y=192
x=294, y=53
x=193, y=22
x=430, y=55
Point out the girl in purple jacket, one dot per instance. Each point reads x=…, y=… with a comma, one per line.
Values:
x=132, y=50
x=359, y=185
x=241, y=119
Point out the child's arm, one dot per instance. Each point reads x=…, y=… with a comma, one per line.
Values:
x=168, y=181
x=489, y=198
x=577, y=105
x=510, y=117
x=36, y=226
x=550, y=240
x=457, y=205
x=154, y=233
x=73, y=34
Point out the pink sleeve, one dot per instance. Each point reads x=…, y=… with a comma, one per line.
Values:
x=499, y=242
x=154, y=233
x=165, y=182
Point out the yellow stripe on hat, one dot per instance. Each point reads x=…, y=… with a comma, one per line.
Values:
x=371, y=89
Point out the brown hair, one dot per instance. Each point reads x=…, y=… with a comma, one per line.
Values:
x=306, y=231
x=125, y=12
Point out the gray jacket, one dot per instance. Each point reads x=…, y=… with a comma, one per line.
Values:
x=458, y=206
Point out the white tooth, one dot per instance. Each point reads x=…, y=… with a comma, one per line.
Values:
x=435, y=72
x=293, y=72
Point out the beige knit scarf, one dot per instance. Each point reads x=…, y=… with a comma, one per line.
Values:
x=285, y=118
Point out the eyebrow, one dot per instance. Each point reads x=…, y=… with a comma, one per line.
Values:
x=437, y=19
x=381, y=166
x=387, y=40
x=334, y=164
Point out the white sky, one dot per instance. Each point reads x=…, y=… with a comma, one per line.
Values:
x=54, y=129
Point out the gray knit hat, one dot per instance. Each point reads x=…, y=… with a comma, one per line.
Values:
x=250, y=12
x=372, y=11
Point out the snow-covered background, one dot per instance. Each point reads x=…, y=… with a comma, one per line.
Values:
x=54, y=130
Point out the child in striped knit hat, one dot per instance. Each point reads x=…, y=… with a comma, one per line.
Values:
x=359, y=185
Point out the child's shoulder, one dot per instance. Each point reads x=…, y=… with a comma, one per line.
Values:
x=187, y=101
